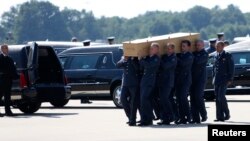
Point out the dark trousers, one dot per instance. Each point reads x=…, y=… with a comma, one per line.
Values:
x=5, y=91
x=166, y=106
x=197, y=101
x=156, y=103
x=130, y=102
x=174, y=104
x=146, y=104
x=221, y=102
x=182, y=91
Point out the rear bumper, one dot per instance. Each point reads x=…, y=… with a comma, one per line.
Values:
x=47, y=93
x=29, y=94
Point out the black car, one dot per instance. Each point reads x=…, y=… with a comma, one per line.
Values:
x=92, y=73
x=41, y=79
x=241, y=83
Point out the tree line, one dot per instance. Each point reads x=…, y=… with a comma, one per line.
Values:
x=41, y=20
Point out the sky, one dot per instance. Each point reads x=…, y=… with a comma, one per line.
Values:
x=132, y=8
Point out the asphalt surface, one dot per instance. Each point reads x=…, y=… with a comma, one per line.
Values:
x=101, y=121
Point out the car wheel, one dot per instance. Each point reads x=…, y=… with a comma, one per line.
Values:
x=29, y=107
x=116, y=95
x=59, y=103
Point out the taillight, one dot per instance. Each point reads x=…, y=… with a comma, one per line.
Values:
x=65, y=80
x=23, y=81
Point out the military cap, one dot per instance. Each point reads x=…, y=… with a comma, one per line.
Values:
x=73, y=39
x=111, y=39
x=226, y=42
x=213, y=40
x=220, y=34
x=86, y=42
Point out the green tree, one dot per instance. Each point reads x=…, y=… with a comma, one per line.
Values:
x=199, y=16
x=2, y=34
x=40, y=21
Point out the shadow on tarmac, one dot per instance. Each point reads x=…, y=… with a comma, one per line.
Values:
x=46, y=115
x=238, y=122
x=179, y=126
x=82, y=107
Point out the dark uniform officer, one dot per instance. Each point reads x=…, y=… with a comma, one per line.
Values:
x=130, y=86
x=226, y=43
x=74, y=39
x=184, y=80
x=111, y=40
x=211, y=48
x=223, y=72
x=150, y=66
x=86, y=42
x=220, y=36
x=166, y=83
x=7, y=74
x=199, y=77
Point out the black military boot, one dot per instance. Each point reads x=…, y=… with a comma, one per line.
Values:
x=8, y=112
x=1, y=115
x=164, y=123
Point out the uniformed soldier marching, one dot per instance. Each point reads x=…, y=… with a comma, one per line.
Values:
x=199, y=77
x=223, y=72
x=184, y=80
x=150, y=66
x=166, y=83
x=7, y=74
x=130, y=87
x=211, y=48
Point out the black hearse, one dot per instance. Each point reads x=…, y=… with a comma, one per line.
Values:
x=92, y=73
x=41, y=79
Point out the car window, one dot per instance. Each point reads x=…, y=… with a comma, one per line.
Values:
x=106, y=62
x=63, y=60
x=83, y=62
x=241, y=58
x=43, y=52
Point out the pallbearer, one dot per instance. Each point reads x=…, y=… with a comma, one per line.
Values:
x=184, y=80
x=199, y=77
x=223, y=72
x=150, y=66
x=130, y=87
x=166, y=83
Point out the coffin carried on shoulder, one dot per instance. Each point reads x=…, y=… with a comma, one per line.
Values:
x=141, y=46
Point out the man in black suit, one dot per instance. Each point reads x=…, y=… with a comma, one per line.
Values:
x=7, y=74
x=223, y=72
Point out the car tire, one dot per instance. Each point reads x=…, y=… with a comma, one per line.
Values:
x=29, y=107
x=116, y=95
x=59, y=103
